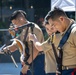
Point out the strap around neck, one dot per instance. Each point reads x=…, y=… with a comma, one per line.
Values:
x=66, y=36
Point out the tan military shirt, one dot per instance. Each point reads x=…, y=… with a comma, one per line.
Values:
x=69, y=49
x=37, y=31
x=50, y=62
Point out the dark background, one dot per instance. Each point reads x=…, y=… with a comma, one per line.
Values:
x=36, y=11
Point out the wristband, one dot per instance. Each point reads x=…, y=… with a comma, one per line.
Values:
x=27, y=63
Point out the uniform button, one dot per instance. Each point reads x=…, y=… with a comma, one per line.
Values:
x=58, y=48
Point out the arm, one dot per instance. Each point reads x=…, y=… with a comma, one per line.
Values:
x=35, y=51
x=37, y=44
x=25, y=67
x=44, y=46
x=12, y=47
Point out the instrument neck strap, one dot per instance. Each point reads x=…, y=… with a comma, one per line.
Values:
x=66, y=36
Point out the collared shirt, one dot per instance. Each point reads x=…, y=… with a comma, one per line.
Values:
x=69, y=49
x=37, y=31
x=50, y=62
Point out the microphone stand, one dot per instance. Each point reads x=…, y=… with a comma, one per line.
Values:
x=31, y=25
x=31, y=43
x=32, y=50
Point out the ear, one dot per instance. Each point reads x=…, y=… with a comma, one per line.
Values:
x=61, y=18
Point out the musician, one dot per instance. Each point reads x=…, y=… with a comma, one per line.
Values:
x=50, y=61
x=58, y=18
x=31, y=59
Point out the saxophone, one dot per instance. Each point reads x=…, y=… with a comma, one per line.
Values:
x=20, y=45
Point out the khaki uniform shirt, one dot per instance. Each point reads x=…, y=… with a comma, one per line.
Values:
x=37, y=31
x=50, y=62
x=69, y=49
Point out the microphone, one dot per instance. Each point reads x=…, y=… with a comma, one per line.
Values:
x=23, y=26
x=15, y=31
x=26, y=25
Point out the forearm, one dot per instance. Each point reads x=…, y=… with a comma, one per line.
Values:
x=33, y=56
x=11, y=47
x=29, y=61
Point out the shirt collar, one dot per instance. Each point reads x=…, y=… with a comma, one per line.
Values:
x=71, y=22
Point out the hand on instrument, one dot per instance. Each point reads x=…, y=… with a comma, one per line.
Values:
x=6, y=50
x=25, y=69
x=22, y=59
x=31, y=36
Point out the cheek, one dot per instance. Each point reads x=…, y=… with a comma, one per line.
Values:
x=54, y=30
x=49, y=32
x=57, y=26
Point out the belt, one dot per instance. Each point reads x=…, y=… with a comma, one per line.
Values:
x=68, y=67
